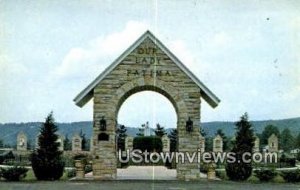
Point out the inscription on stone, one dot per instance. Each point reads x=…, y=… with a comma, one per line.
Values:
x=148, y=56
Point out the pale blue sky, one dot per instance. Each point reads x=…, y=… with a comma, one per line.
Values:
x=247, y=53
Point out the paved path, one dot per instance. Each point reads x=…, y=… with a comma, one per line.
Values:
x=144, y=185
x=146, y=173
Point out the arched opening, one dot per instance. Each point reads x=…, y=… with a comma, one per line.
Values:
x=135, y=109
x=147, y=106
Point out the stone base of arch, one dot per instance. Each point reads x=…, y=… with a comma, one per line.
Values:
x=105, y=157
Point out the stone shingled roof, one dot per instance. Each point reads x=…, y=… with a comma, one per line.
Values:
x=85, y=95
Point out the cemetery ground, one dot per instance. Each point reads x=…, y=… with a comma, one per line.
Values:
x=137, y=182
x=145, y=185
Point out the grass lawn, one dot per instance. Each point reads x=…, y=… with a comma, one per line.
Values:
x=30, y=176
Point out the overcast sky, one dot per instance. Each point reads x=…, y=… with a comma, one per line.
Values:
x=247, y=53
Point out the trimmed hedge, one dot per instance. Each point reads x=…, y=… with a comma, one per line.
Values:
x=265, y=174
x=13, y=173
x=151, y=143
x=71, y=173
x=291, y=176
x=287, y=162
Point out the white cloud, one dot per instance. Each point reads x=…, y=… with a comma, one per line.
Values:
x=9, y=67
x=220, y=40
x=190, y=59
x=178, y=48
x=295, y=36
x=99, y=52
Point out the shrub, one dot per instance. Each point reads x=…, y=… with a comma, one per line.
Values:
x=287, y=162
x=291, y=176
x=88, y=168
x=147, y=143
x=238, y=171
x=14, y=173
x=203, y=167
x=69, y=161
x=71, y=173
x=265, y=174
x=221, y=174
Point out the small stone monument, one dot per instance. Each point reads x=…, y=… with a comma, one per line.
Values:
x=147, y=132
x=129, y=143
x=165, y=143
x=218, y=144
x=202, y=143
x=76, y=143
x=273, y=143
x=60, y=140
x=256, y=144
x=21, y=141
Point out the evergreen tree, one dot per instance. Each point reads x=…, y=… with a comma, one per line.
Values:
x=173, y=136
x=29, y=145
x=239, y=170
x=67, y=143
x=225, y=140
x=268, y=131
x=84, y=140
x=159, y=131
x=141, y=131
x=202, y=132
x=121, y=136
x=1, y=143
x=287, y=140
x=208, y=143
x=46, y=161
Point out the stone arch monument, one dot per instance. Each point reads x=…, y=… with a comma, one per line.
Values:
x=21, y=141
x=146, y=65
x=76, y=143
x=218, y=144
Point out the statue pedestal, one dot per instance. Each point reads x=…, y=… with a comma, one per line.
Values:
x=211, y=172
x=80, y=165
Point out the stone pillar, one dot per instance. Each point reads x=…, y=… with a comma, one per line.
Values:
x=21, y=141
x=60, y=140
x=76, y=143
x=256, y=144
x=129, y=143
x=104, y=136
x=202, y=143
x=218, y=144
x=91, y=144
x=165, y=143
x=273, y=143
x=188, y=142
x=80, y=165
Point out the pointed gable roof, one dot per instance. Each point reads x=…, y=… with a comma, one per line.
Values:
x=85, y=95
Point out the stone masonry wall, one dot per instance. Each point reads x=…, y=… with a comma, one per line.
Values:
x=146, y=68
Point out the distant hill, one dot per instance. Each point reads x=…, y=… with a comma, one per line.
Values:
x=9, y=131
